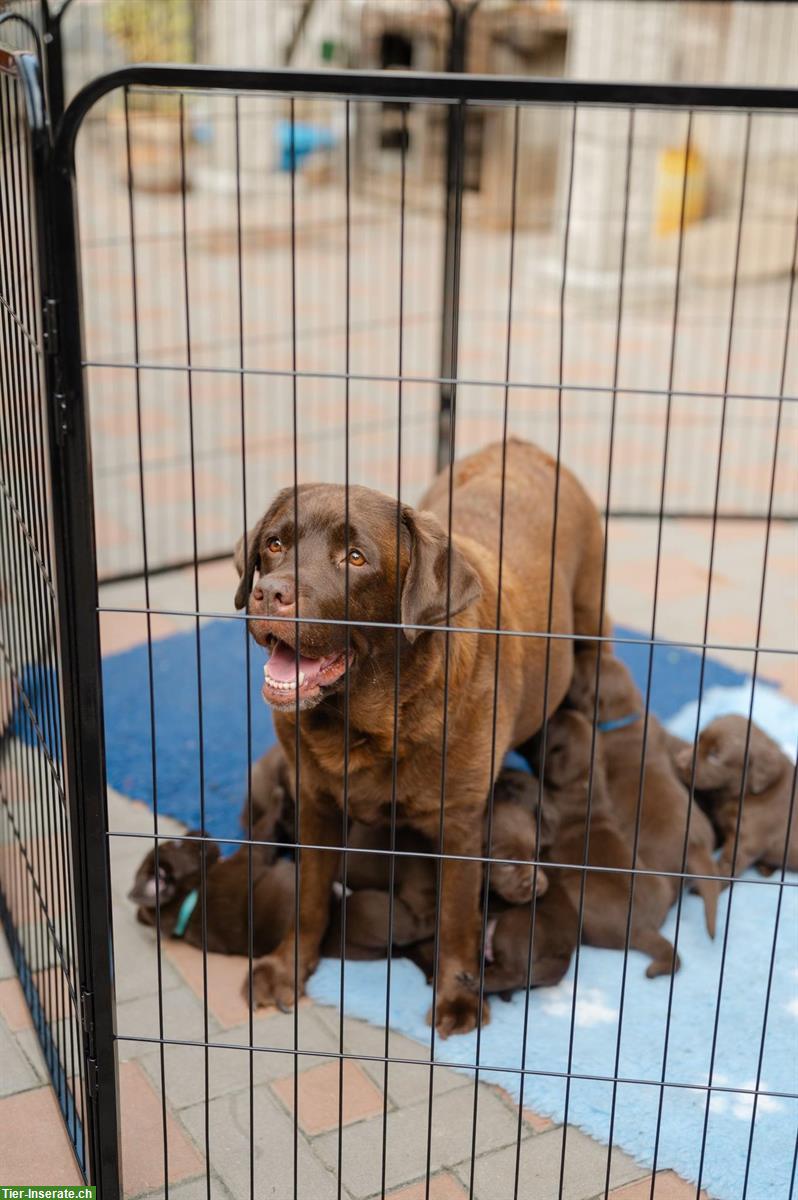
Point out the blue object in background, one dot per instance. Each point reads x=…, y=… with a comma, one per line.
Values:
x=306, y=140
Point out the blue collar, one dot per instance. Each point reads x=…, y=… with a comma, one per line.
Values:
x=514, y=761
x=618, y=723
x=184, y=916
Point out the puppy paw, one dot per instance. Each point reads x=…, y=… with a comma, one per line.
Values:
x=517, y=884
x=458, y=1010
x=273, y=984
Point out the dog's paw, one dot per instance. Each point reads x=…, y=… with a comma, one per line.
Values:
x=518, y=884
x=273, y=984
x=458, y=1009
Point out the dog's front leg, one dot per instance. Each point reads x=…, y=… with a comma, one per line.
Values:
x=457, y=1005
x=274, y=978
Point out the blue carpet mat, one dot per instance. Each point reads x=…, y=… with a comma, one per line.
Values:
x=183, y=786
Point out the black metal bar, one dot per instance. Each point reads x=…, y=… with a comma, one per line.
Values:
x=79, y=653
x=460, y=18
x=52, y=43
x=407, y=85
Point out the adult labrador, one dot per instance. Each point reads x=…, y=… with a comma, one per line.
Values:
x=370, y=579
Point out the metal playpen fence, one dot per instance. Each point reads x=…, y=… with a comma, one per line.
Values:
x=157, y=393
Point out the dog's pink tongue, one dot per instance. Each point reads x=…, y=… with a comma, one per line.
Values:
x=283, y=664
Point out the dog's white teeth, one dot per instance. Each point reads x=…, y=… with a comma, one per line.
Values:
x=265, y=670
x=301, y=678
x=282, y=685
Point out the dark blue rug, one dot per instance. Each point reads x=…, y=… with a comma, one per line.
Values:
x=177, y=780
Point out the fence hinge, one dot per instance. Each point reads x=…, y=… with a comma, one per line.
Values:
x=51, y=327
x=61, y=417
x=92, y=1078
x=87, y=1021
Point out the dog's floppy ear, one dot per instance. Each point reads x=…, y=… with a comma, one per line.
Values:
x=193, y=855
x=765, y=764
x=246, y=568
x=424, y=595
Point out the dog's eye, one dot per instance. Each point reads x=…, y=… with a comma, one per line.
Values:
x=356, y=558
x=274, y=545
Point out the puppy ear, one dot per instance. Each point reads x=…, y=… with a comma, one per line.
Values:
x=245, y=564
x=765, y=764
x=190, y=861
x=424, y=595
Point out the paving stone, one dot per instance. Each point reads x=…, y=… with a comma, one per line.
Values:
x=539, y=1176
x=441, y=1187
x=44, y=1154
x=272, y=1148
x=329, y=1092
x=142, y=1131
x=407, y=1082
x=29, y=1044
x=228, y=1068
x=182, y=1020
x=406, y=1140
x=197, y=1189
x=7, y=968
x=136, y=957
x=17, y=1074
x=536, y=1122
x=668, y=1186
x=14, y=1009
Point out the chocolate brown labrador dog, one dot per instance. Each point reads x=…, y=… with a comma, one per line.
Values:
x=570, y=782
x=769, y=803
x=355, y=566
x=665, y=804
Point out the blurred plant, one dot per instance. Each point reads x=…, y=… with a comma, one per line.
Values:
x=152, y=30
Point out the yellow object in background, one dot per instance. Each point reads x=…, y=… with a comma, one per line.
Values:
x=670, y=188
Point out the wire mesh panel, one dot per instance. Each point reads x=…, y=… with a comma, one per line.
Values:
x=37, y=898
x=263, y=363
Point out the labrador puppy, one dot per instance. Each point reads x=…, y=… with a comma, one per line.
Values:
x=163, y=890
x=663, y=801
x=333, y=579
x=575, y=780
x=271, y=799
x=227, y=902
x=769, y=822
x=512, y=842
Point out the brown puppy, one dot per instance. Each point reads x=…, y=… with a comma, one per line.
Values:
x=226, y=894
x=554, y=941
x=326, y=554
x=555, y=929
x=514, y=837
x=665, y=803
x=769, y=804
x=270, y=796
x=607, y=894
x=273, y=896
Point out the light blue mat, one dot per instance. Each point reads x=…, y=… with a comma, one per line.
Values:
x=639, y=1036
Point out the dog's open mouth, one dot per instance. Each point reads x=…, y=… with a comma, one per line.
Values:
x=286, y=679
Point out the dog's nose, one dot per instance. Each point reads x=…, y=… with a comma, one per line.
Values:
x=279, y=593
